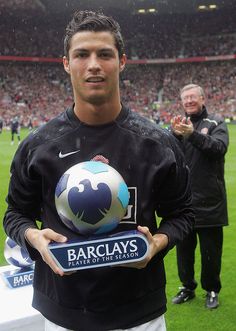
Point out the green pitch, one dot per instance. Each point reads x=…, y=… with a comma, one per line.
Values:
x=6, y=154
x=191, y=315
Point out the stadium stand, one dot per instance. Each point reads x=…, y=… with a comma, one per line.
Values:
x=164, y=54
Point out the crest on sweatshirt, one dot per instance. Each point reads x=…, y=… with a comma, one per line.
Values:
x=100, y=158
x=204, y=130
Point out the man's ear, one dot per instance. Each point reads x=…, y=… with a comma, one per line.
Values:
x=66, y=64
x=123, y=61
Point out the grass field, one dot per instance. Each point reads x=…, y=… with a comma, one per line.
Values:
x=191, y=315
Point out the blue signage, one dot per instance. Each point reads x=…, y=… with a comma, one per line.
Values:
x=123, y=247
x=19, y=277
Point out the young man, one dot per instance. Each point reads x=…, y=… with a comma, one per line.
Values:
x=147, y=157
x=205, y=142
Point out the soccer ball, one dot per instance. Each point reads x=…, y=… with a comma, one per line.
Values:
x=16, y=255
x=91, y=198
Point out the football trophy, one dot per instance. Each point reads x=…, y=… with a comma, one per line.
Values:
x=18, y=257
x=91, y=199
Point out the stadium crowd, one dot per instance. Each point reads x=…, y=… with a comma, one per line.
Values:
x=166, y=36
x=37, y=92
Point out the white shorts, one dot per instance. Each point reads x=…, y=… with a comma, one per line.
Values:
x=158, y=324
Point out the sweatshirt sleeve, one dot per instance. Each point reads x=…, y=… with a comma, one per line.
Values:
x=215, y=143
x=23, y=198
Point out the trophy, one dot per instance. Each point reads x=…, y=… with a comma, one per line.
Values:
x=91, y=199
x=18, y=257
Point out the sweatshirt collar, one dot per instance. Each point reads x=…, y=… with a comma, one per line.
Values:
x=76, y=121
x=198, y=116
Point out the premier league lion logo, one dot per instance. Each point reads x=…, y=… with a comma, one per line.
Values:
x=91, y=198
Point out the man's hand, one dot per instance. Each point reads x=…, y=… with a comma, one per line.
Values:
x=182, y=126
x=156, y=243
x=39, y=239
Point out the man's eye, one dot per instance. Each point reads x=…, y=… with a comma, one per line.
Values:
x=81, y=55
x=105, y=55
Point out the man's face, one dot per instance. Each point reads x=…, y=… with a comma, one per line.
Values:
x=94, y=66
x=192, y=101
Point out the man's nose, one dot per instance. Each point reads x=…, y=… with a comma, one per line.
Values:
x=94, y=64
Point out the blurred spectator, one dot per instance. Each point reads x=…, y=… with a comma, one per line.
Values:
x=15, y=129
x=1, y=125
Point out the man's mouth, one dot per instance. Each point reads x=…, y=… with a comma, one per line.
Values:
x=95, y=79
x=191, y=105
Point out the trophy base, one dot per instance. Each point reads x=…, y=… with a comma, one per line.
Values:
x=95, y=252
x=19, y=277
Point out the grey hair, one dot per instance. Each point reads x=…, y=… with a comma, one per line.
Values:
x=190, y=86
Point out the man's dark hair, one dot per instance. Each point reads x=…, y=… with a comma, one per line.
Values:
x=96, y=22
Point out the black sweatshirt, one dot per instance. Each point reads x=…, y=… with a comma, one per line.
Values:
x=152, y=164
